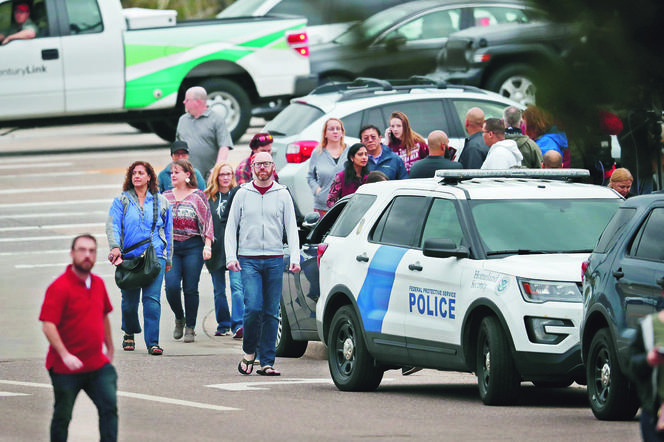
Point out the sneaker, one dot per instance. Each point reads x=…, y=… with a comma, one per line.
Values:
x=223, y=333
x=189, y=334
x=238, y=333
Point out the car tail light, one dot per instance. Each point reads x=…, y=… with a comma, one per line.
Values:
x=300, y=151
x=319, y=252
x=481, y=58
x=299, y=41
x=584, y=267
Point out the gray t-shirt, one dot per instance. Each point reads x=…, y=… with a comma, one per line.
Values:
x=204, y=136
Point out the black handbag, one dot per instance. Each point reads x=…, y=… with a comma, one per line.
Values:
x=141, y=271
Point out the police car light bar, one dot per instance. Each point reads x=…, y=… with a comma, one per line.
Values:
x=457, y=175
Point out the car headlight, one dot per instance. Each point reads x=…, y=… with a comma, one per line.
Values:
x=537, y=291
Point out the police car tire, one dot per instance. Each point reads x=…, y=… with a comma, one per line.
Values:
x=287, y=347
x=497, y=377
x=615, y=400
x=358, y=372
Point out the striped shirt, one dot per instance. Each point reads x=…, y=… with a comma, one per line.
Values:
x=191, y=216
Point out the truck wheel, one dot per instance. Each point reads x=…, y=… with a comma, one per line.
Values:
x=351, y=366
x=497, y=377
x=609, y=391
x=230, y=101
x=516, y=82
x=287, y=347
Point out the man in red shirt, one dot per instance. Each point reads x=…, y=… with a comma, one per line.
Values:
x=75, y=321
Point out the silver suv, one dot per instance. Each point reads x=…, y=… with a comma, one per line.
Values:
x=297, y=130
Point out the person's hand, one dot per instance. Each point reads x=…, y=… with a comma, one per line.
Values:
x=115, y=257
x=72, y=362
x=318, y=190
x=388, y=132
x=234, y=266
x=168, y=268
x=294, y=268
x=207, y=253
x=654, y=358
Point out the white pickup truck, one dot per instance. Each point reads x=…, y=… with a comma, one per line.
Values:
x=93, y=61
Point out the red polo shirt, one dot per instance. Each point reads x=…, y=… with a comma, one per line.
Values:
x=78, y=313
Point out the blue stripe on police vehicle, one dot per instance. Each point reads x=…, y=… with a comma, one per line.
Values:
x=374, y=297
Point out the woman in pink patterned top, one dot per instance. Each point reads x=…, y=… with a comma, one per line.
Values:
x=405, y=142
x=352, y=177
x=193, y=234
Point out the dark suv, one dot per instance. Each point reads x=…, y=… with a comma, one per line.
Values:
x=622, y=282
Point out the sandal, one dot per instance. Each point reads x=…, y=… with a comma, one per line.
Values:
x=268, y=370
x=128, y=343
x=156, y=350
x=248, y=366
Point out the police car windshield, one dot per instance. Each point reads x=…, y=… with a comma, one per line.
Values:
x=541, y=226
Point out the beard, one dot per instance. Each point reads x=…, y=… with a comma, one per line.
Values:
x=83, y=266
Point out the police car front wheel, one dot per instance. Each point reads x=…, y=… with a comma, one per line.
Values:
x=498, y=379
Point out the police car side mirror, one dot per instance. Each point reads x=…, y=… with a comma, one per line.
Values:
x=310, y=220
x=443, y=248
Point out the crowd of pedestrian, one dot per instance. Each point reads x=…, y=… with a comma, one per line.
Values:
x=200, y=210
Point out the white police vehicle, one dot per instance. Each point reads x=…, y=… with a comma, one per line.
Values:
x=472, y=271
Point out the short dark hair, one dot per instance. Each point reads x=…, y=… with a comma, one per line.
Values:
x=83, y=235
x=367, y=127
x=375, y=176
x=495, y=125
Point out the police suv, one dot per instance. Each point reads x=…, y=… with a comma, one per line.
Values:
x=471, y=271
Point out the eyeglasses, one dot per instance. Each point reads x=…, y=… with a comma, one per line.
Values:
x=263, y=164
x=265, y=138
x=370, y=137
x=226, y=174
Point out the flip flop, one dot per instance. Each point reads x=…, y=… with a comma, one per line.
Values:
x=268, y=371
x=156, y=350
x=248, y=366
x=128, y=342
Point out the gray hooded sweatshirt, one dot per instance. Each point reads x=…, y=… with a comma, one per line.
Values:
x=503, y=154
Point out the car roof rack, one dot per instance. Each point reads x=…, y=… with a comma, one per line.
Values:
x=456, y=175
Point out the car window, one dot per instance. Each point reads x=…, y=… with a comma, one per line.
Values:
x=612, y=231
x=353, y=123
x=325, y=224
x=311, y=9
x=352, y=214
x=442, y=222
x=373, y=26
x=352, y=10
x=491, y=109
x=541, y=226
x=438, y=24
x=649, y=241
x=424, y=115
x=294, y=119
x=84, y=17
x=486, y=16
x=399, y=225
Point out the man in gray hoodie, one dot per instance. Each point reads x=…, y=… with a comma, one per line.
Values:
x=503, y=154
x=260, y=213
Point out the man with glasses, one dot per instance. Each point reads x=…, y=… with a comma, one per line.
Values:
x=381, y=157
x=261, y=142
x=261, y=211
x=503, y=154
x=22, y=28
x=75, y=320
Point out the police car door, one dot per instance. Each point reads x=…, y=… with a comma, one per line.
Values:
x=31, y=71
x=431, y=285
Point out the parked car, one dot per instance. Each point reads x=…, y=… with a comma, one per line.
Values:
x=471, y=271
x=326, y=19
x=623, y=281
x=404, y=40
x=507, y=58
x=297, y=130
x=297, y=314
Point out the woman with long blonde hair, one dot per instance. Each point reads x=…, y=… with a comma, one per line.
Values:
x=221, y=183
x=326, y=162
x=404, y=141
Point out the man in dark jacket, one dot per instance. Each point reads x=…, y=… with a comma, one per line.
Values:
x=474, y=150
x=427, y=167
x=380, y=156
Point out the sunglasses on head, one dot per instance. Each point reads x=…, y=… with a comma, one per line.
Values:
x=265, y=138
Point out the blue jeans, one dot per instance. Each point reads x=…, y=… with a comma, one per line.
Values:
x=151, y=309
x=186, y=269
x=261, y=283
x=100, y=385
x=226, y=320
x=648, y=424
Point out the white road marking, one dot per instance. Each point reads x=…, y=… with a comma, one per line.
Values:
x=253, y=386
x=44, y=238
x=145, y=397
x=59, y=189
x=57, y=203
x=51, y=227
x=53, y=215
x=9, y=393
x=63, y=252
x=34, y=165
x=51, y=174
